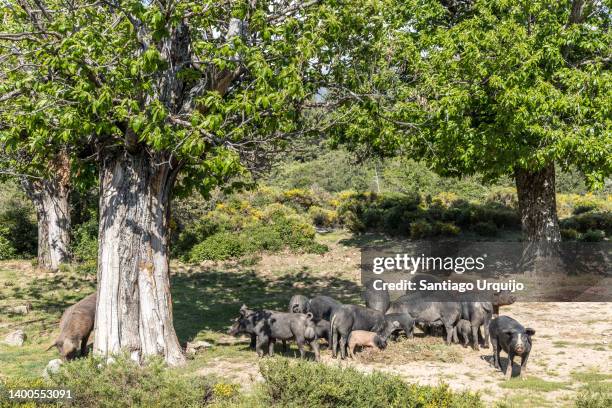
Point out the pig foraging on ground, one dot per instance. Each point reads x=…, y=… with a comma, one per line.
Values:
x=510, y=336
x=403, y=322
x=269, y=326
x=364, y=339
x=76, y=325
x=349, y=318
x=429, y=313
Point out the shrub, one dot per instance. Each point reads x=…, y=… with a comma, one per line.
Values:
x=486, y=229
x=569, y=234
x=7, y=251
x=124, y=384
x=301, y=198
x=505, y=196
x=303, y=384
x=322, y=217
x=18, y=220
x=218, y=247
x=581, y=209
x=420, y=229
x=593, y=236
x=85, y=241
x=446, y=229
x=594, y=395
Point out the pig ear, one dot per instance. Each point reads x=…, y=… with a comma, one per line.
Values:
x=529, y=331
x=56, y=344
x=243, y=310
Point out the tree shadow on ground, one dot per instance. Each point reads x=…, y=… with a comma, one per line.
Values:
x=210, y=299
x=54, y=293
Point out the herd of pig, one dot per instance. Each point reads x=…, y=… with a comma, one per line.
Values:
x=346, y=326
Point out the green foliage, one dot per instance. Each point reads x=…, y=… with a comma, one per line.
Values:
x=237, y=228
x=18, y=226
x=7, y=251
x=486, y=229
x=85, y=241
x=305, y=384
x=125, y=384
x=480, y=88
x=593, y=236
x=219, y=246
x=594, y=395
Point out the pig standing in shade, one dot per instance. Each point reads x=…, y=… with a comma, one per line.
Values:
x=509, y=335
x=76, y=325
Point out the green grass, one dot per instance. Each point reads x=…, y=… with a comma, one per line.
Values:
x=590, y=376
x=533, y=384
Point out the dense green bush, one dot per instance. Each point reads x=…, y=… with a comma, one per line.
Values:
x=486, y=229
x=85, y=241
x=595, y=395
x=304, y=384
x=124, y=384
x=237, y=228
x=219, y=246
x=7, y=251
x=17, y=221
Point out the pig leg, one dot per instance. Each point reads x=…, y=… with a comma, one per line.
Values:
x=314, y=345
x=284, y=346
x=300, y=344
x=343, y=343
x=334, y=344
x=271, y=344
x=262, y=341
x=487, y=322
x=455, y=337
x=509, y=368
x=496, y=348
x=253, y=343
x=475, y=330
x=449, y=332
x=523, y=364
x=84, y=345
x=351, y=350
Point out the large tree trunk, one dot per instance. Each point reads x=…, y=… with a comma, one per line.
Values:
x=134, y=310
x=538, y=204
x=51, y=201
x=540, y=225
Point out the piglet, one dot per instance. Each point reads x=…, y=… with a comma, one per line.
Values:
x=365, y=339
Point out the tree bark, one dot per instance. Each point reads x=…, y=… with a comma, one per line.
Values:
x=538, y=204
x=51, y=201
x=538, y=210
x=134, y=309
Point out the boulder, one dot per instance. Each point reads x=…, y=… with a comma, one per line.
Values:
x=21, y=309
x=194, y=347
x=16, y=338
x=52, y=367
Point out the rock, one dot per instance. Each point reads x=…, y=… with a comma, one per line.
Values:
x=194, y=347
x=16, y=338
x=21, y=309
x=52, y=367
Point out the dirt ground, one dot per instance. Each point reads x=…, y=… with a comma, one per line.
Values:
x=572, y=347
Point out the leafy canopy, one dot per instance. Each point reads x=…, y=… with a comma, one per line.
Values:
x=208, y=86
x=486, y=88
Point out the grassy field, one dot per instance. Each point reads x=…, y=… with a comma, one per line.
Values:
x=566, y=361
